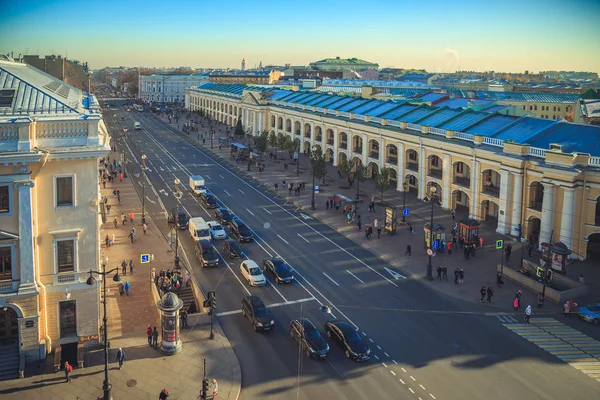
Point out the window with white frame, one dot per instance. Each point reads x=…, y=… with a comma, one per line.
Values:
x=65, y=255
x=5, y=263
x=4, y=199
x=64, y=191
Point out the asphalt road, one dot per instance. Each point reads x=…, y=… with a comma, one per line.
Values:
x=424, y=345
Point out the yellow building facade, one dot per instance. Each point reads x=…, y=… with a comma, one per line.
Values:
x=545, y=192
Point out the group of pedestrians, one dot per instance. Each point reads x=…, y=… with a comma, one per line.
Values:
x=170, y=281
x=486, y=291
x=152, y=335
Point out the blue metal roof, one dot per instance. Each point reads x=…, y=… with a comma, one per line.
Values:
x=397, y=112
x=305, y=97
x=370, y=105
x=431, y=97
x=523, y=129
x=518, y=96
x=406, y=92
x=330, y=99
x=417, y=114
x=317, y=99
x=463, y=121
x=340, y=102
x=491, y=125
x=573, y=138
x=353, y=104
x=443, y=115
x=382, y=108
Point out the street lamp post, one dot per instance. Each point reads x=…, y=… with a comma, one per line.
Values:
x=177, y=193
x=298, y=158
x=144, y=188
x=312, y=202
x=403, y=200
x=212, y=134
x=429, y=275
x=106, y=386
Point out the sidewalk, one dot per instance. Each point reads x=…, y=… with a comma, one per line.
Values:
x=479, y=271
x=146, y=370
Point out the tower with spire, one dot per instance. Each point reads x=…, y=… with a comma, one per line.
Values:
x=244, y=63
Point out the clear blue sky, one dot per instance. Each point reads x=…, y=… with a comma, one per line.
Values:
x=511, y=35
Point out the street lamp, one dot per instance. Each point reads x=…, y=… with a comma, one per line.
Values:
x=312, y=202
x=404, y=200
x=298, y=158
x=177, y=193
x=91, y=281
x=212, y=134
x=144, y=188
x=429, y=275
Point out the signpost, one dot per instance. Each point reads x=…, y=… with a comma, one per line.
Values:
x=316, y=188
x=391, y=217
x=500, y=246
x=406, y=212
x=145, y=258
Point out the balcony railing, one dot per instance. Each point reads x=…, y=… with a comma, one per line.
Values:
x=491, y=190
x=357, y=150
x=330, y=142
x=413, y=166
x=297, y=132
x=307, y=135
x=8, y=286
x=374, y=154
x=319, y=138
x=536, y=205
x=462, y=181
x=343, y=145
x=392, y=160
x=435, y=173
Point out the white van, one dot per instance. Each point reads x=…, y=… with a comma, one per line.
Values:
x=137, y=126
x=197, y=185
x=199, y=229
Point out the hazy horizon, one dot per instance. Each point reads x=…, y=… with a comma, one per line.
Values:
x=537, y=35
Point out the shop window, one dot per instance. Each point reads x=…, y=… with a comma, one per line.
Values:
x=67, y=318
x=4, y=199
x=65, y=255
x=5, y=262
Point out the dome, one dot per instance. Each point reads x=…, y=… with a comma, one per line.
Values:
x=170, y=302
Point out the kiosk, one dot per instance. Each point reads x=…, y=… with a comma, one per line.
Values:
x=439, y=235
x=169, y=307
x=468, y=229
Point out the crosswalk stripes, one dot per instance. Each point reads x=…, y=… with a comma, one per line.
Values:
x=571, y=346
x=505, y=318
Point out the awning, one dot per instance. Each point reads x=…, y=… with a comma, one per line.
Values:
x=253, y=154
x=239, y=145
x=344, y=198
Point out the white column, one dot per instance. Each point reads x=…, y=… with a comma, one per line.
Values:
x=400, y=147
x=26, y=248
x=261, y=125
x=547, y=222
x=505, y=194
x=422, y=165
x=446, y=179
x=254, y=123
x=312, y=135
x=567, y=217
x=364, y=149
x=476, y=178
x=335, y=146
x=247, y=119
x=517, y=203
x=381, y=152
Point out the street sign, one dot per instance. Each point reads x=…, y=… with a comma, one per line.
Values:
x=295, y=155
x=316, y=188
x=406, y=212
x=436, y=243
x=539, y=272
x=429, y=252
x=499, y=244
x=145, y=258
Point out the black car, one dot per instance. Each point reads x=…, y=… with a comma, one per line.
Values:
x=207, y=254
x=279, y=269
x=347, y=337
x=232, y=249
x=255, y=310
x=309, y=338
x=182, y=218
x=209, y=200
x=240, y=231
x=223, y=216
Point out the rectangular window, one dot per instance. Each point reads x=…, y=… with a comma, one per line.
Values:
x=535, y=107
x=530, y=108
x=4, y=200
x=68, y=318
x=5, y=263
x=64, y=191
x=554, y=108
x=65, y=255
x=558, y=109
x=6, y=97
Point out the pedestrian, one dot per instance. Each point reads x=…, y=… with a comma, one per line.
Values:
x=163, y=395
x=445, y=272
x=528, y=313
x=480, y=241
x=215, y=388
x=131, y=217
x=121, y=288
x=145, y=228
x=515, y=304
x=529, y=249
x=149, y=334
x=119, y=199
x=127, y=287
x=456, y=274
x=131, y=267
x=124, y=267
x=68, y=370
x=186, y=278
x=518, y=296
x=359, y=224
x=184, y=317
x=116, y=222
x=113, y=240
x=408, y=249
x=439, y=272
x=155, y=338
x=507, y=251
x=115, y=194
x=121, y=357
x=482, y=292
x=327, y=205
x=121, y=177
x=132, y=235
x=107, y=241
x=490, y=293
x=566, y=309
x=378, y=232
x=449, y=248
x=461, y=276
x=453, y=214
x=123, y=218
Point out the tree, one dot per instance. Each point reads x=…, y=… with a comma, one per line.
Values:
x=273, y=141
x=382, y=180
x=262, y=142
x=294, y=145
x=346, y=166
x=318, y=166
x=282, y=141
x=239, y=131
x=360, y=174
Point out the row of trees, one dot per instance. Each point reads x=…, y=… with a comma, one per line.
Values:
x=354, y=170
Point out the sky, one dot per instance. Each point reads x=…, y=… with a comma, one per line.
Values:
x=437, y=35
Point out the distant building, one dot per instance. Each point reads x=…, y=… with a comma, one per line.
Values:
x=244, y=64
x=369, y=74
x=303, y=71
x=51, y=138
x=168, y=88
x=343, y=64
x=590, y=111
x=70, y=72
x=246, y=77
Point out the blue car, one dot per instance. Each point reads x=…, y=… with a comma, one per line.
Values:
x=590, y=313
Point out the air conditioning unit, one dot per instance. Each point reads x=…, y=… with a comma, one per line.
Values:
x=556, y=147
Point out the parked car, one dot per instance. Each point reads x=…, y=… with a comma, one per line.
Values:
x=216, y=230
x=252, y=273
x=309, y=337
x=182, y=218
x=207, y=254
x=345, y=335
x=232, y=249
x=255, y=310
x=223, y=216
x=240, y=231
x=279, y=269
x=590, y=313
x=209, y=200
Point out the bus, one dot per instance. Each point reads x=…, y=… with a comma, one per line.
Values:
x=138, y=107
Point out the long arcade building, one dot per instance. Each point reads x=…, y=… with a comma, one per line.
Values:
x=538, y=175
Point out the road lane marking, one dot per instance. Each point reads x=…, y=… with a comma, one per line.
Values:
x=384, y=365
x=378, y=347
x=222, y=314
x=411, y=377
x=251, y=213
x=208, y=177
x=285, y=241
x=241, y=191
x=364, y=334
x=328, y=277
x=277, y=290
x=402, y=381
x=394, y=274
x=267, y=210
x=412, y=391
x=395, y=362
x=187, y=212
x=371, y=340
x=392, y=372
x=305, y=239
x=402, y=368
x=386, y=354
x=357, y=278
x=432, y=396
x=422, y=387
x=222, y=177
x=227, y=192
x=375, y=355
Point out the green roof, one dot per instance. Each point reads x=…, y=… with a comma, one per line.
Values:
x=349, y=61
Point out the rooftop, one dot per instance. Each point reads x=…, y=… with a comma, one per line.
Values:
x=345, y=61
x=240, y=73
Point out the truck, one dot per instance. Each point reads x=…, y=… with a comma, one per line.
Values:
x=199, y=229
x=137, y=126
x=197, y=185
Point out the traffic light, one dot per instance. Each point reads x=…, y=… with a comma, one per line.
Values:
x=204, y=387
x=213, y=301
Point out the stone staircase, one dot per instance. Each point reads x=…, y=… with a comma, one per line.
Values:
x=187, y=296
x=9, y=361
